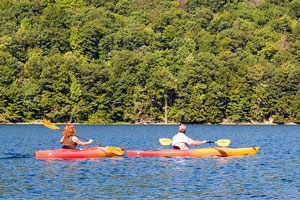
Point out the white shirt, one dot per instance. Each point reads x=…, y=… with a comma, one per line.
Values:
x=182, y=141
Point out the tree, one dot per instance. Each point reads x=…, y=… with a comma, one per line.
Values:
x=164, y=83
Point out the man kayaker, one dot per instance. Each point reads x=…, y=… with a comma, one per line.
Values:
x=182, y=142
x=69, y=140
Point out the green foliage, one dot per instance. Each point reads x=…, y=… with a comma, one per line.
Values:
x=116, y=61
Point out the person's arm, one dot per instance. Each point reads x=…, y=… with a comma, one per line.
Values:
x=77, y=141
x=190, y=141
x=197, y=142
x=62, y=140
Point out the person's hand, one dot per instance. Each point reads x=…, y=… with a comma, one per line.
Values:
x=90, y=141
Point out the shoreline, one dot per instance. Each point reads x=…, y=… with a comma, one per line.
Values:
x=138, y=124
x=224, y=122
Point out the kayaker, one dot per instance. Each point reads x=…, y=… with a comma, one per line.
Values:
x=182, y=142
x=69, y=140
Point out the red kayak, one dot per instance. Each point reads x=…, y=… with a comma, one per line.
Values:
x=201, y=152
x=91, y=152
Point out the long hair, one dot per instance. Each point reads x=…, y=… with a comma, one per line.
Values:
x=69, y=131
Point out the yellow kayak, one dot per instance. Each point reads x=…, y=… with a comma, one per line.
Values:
x=201, y=152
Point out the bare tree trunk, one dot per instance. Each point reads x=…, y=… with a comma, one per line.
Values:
x=71, y=118
x=166, y=106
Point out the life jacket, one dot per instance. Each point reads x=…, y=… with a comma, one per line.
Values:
x=69, y=144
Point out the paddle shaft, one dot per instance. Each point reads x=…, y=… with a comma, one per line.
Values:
x=85, y=138
x=221, y=142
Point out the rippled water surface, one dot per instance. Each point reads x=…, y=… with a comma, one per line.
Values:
x=272, y=174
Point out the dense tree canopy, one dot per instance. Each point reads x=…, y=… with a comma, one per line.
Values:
x=111, y=61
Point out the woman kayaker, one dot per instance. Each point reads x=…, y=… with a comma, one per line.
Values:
x=69, y=140
x=182, y=142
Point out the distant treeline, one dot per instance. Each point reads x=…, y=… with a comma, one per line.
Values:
x=111, y=61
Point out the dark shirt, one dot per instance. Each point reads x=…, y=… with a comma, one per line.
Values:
x=69, y=144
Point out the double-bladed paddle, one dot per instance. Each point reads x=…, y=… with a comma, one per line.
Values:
x=114, y=150
x=220, y=142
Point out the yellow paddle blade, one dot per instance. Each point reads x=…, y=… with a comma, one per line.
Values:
x=223, y=142
x=49, y=125
x=165, y=141
x=116, y=151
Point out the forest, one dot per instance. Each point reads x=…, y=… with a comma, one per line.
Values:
x=156, y=61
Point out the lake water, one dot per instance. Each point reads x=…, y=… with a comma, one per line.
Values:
x=272, y=174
